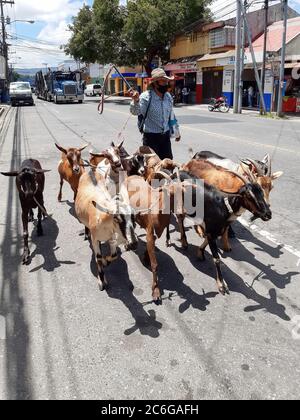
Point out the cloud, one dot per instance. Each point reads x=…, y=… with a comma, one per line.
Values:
x=47, y=10
x=55, y=16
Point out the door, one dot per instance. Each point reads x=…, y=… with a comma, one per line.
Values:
x=212, y=84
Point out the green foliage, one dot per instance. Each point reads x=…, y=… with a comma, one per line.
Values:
x=132, y=34
x=15, y=76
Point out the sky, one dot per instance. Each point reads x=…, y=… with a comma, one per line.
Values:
x=34, y=45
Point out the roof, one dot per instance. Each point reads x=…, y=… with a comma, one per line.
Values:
x=274, y=40
x=217, y=55
x=189, y=59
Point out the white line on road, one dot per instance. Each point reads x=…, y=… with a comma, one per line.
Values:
x=2, y=328
x=270, y=237
x=226, y=137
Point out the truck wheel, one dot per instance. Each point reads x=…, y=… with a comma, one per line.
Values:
x=80, y=101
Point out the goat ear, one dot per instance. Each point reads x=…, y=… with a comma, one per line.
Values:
x=120, y=145
x=266, y=159
x=276, y=175
x=98, y=154
x=83, y=147
x=42, y=171
x=12, y=173
x=61, y=149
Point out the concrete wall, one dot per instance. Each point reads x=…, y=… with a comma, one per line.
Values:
x=184, y=47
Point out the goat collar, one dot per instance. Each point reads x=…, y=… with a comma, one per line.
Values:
x=227, y=204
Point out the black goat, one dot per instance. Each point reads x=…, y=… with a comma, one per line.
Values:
x=219, y=209
x=30, y=181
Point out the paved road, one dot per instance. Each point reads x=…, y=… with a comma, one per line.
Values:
x=62, y=338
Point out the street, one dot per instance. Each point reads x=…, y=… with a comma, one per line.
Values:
x=61, y=338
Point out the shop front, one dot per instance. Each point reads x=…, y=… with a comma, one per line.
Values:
x=291, y=93
x=185, y=73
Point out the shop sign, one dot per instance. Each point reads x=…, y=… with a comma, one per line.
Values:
x=269, y=79
x=227, y=80
x=199, y=78
x=190, y=67
x=2, y=67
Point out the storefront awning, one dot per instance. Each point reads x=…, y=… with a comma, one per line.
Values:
x=216, y=56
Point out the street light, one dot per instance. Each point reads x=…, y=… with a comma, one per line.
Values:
x=9, y=22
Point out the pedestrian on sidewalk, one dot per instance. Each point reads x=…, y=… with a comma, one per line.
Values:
x=250, y=96
x=155, y=110
x=185, y=94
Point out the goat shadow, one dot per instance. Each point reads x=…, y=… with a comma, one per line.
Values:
x=121, y=288
x=46, y=246
x=171, y=278
x=236, y=283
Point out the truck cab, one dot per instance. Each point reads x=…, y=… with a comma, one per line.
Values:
x=66, y=87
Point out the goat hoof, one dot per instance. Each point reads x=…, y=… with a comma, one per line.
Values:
x=26, y=258
x=227, y=249
x=102, y=285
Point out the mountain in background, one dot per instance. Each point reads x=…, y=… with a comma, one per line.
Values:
x=32, y=71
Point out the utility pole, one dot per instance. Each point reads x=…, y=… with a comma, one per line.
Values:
x=4, y=46
x=263, y=70
x=242, y=61
x=258, y=81
x=283, y=49
x=237, y=74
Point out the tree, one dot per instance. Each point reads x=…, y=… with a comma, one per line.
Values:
x=83, y=44
x=15, y=76
x=132, y=34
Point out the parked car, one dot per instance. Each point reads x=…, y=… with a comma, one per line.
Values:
x=20, y=93
x=93, y=90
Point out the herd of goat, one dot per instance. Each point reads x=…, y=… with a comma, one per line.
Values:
x=109, y=208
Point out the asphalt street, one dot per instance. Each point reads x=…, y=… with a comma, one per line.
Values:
x=61, y=338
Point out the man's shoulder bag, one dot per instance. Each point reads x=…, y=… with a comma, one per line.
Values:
x=142, y=119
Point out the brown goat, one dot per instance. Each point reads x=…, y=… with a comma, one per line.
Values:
x=70, y=168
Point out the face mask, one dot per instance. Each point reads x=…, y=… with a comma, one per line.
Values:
x=162, y=88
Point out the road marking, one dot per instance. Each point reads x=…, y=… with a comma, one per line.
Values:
x=271, y=238
x=231, y=138
x=2, y=328
x=251, y=142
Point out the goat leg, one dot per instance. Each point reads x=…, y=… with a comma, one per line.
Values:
x=225, y=240
x=156, y=294
x=39, y=224
x=222, y=286
x=60, y=189
x=183, y=238
x=26, y=253
x=31, y=216
x=168, y=237
x=86, y=234
x=102, y=282
x=201, y=250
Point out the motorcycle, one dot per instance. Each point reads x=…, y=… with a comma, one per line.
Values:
x=219, y=104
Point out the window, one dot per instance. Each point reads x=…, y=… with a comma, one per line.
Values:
x=194, y=37
x=217, y=38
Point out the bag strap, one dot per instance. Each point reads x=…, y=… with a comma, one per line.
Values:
x=148, y=106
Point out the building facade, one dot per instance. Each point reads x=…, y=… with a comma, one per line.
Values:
x=204, y=54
